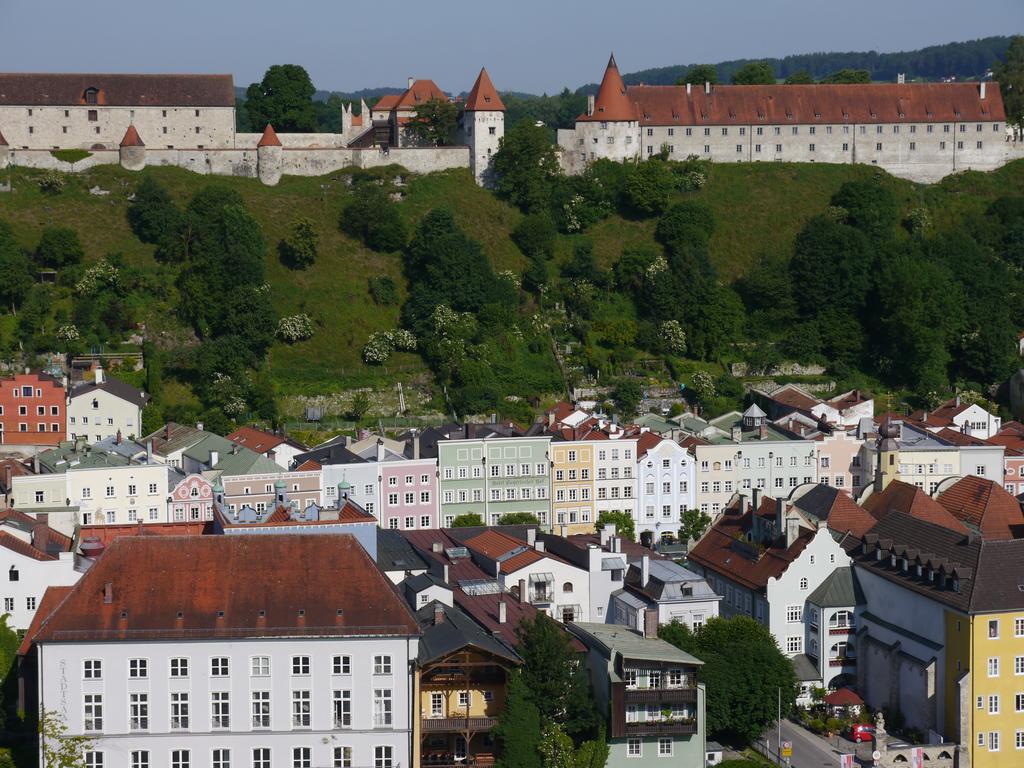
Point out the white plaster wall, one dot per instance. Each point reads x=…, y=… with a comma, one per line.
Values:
x=21, y=597
x=97, y=507
x=680, y=475
x=563, y=573
x=110, y=415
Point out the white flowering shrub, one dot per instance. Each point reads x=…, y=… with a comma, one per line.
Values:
x=295, y=328
x=511, y=277
x=673, y=336
x=656, y=267
x=68, y=334
x=403, y=339
x=235, y=406
x=704, y=385
x=378, y=348
x=100, y=275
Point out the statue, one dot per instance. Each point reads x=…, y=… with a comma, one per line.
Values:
x=880, y=735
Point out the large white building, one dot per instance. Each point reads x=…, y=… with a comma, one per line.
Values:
x=666, y=480
x=239, y=665
x=921, y=131
x=104, y=408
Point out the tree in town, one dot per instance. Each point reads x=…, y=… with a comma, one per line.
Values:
x=15, y=269
x=627, y=395
x=556, y=748
x=284, y=99
x=700, y=73
x=518, y=731
x=801, y=77
x=59, y=247
x=754, y=73
x=468, y=520
x=1010, y=75
x=57, y=748
x=152, y=213
x=623, y=522
x=433, y=125
x=299, y=249
x=744, y=672
x=555, y=676
x=693, y=524
x=519, y=518
x=373, y=217
x=526, y=166
x=847, y=76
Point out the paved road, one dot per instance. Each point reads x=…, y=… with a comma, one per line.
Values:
x=810, y=751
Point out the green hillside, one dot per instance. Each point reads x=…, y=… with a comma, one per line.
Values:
x=759, y=209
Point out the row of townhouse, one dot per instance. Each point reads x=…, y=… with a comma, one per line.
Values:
x=250, y=667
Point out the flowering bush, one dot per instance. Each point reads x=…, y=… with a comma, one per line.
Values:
x=100, y=275
x=704, y=385
x=512, y=277
x=294, y=328
x=403, y=339
x=68, y=334
x=673, y=336
x=656, y=267
x=52, y=183
x=378, y=348
x=919, y=221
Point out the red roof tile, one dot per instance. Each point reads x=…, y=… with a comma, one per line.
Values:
x=260, y=583
x=483, y=96
x=612, y=103
x=269, y=138
x=123, y=90
x=131, y=138
x=494, y=544
x=387, y=102
x=308, y=466
x=52, y=597
x=956, y=437
x=911, y=500
x=107, y=534
x=255, y=439
x=986, y=506
x=22, y=547
x=844, y=697
x=647, y=441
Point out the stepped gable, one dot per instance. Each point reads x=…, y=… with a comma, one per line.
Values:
x=483, y=96
x=612, y=103
x=269, y=138
x=132, y=138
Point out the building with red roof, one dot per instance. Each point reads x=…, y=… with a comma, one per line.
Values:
x=278, y=448
x=33, y=410
x=915, y=130
x=984, y=506
x=34, y=557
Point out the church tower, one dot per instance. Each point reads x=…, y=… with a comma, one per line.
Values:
x=483, y=125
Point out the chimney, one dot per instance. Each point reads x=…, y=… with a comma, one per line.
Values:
x=117, y=438
x=651, y=623
x=7, y=478
x=444, y=573
x=438, y=614
x=762, y=430
x=737, y=434
x=437, y=546
x=792, y=531
x=757, y=499
x=616, y=543
x=780, y=515
x=531, y=536
x=645, y=570
x=41, y=532
x=743, y=503
x=380, y=450
x=199, y=426
x=982, y=90
x=539, y=546
x=35, y=463
x=590, y=105
x=149, y=451
x=707, y=88
x=502, y=612
x=522, y=591
x=958, y=401
x=99, y=379
x=214, y=458
x=108, y=593
x=411, y=81
x=689, y=89
x=167, y=431
x=416, y=445
x=551, y=418
x=606, y=533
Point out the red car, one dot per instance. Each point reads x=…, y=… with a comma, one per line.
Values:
x=859, y=732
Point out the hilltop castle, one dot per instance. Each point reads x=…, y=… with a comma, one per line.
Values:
x=919, y=131
x=189, y=121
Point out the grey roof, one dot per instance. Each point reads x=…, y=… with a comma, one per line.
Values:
x=456, y=631
x=713, y=746
x=840, y=590
x=115, y=387
x=395, y=553
x=754, y=411
x=331, y=452
x=818, y=501
x=805, y=668
x=629, y=599
x=630, y=643
x=422, y=581
x=200, y=450
x=613, y=564
x=172, y=437
x=666, y=580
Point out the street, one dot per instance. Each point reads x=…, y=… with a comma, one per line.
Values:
x=810, y=751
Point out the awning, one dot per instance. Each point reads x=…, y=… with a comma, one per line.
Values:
x=547, y=578
x=613, y=564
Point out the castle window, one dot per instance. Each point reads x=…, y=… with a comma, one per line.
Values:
x=64, y=129
x=197, y=113
x=91, y=95
x=197, y=129
x=93, y=116
x=492, y=130
x=165, y=129
x=163, y=113
x=913, y=146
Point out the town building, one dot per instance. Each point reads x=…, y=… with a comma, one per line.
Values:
x=249, y=666
x=670, y=591
x=650, y=692
x=191, y=499
x=105, y=407
x=666, y=483
x=278, y=448
x=831, y=627
x=33, y=411
x=919, y=131
x=960, y=416
x=602, y=557
x=33, y=557
x=169, y=443
x=985, y=507
x=1011, y=437
x=842, y=410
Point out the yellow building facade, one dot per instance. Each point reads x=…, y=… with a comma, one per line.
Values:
x=572, y=486
x=997, y=690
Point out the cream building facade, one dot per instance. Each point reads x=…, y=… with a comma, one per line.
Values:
x=104, y=408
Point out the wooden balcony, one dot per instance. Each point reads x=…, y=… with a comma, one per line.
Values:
x=457, y=724
x=656, y=728
x=658, y=695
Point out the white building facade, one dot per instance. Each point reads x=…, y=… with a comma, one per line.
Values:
x=666, y=476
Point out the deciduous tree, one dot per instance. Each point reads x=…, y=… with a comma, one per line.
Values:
x=434, y=123
x=754, y=73
x=700, y=73
x=526, y=166
x=623, y=522
x=284, y=99
x=1010, y=74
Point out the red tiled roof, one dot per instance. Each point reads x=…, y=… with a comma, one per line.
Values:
x=29, y=521
x=847, y=515
x=814, y=104
x=261, y=584
x=255, y=439
x=1010, y=436
x=420, y=92
x=52, y=597
x=612, y=102
x=494, y=544
x=387, y=102
x=308, y=466
x=912, y=501
x=22, y=547
x=107, y=534
x=459, y=569
x=123, y=90
x=647, y=441
x=844, y=697
x=986, y=506
x=269, y=138
x=956, y=437
x=131, y=138
x=483, y=96
x=795, y=398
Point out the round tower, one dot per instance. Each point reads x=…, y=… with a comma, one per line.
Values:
x=483, y=125
x=268, y=157
x=5, y=153
x=132, y=150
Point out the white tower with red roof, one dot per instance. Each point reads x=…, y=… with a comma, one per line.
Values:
x=483, y=125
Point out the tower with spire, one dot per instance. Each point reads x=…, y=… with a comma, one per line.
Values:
x=609, y=129
x=482, y=126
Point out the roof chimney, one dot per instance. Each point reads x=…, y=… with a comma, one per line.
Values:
x=762, y=430
x=757, y=499
x=522, y=590
x=438, y=614
x=901, y=78
x=214, y=458
x=983, y=90
x=590, y=105
x=645, y=570
x=149, y=451
x=437, y=546
x=502, y=612
x=99, y=368
x=411, y=81
x=539, y=546
x=108, y=592
x=707, y=88
x=416, y=444
x=531, y=536
x=117, y=438
x=688, y=89
x=380, y=450
x=41, y=532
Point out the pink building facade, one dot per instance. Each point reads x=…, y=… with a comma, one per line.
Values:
x=840, y=462
x=408, y=494
x=192, y=500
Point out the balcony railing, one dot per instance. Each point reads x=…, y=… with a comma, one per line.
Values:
x=457, y=724
x=541, y=596
x=655, y=695
x=662, y=728
x=841, y=629
x=843, y=661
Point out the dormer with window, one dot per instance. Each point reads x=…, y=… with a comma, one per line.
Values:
x=92, y=95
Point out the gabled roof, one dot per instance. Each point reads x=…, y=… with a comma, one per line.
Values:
x=120, y=90
x=420, y=92
x=647, y=442
x=844, y=697
x=986, y=506
x=173, y=437
x=840, y=590
x=250, y=586
x=456, y=631
x=911, y=500
x=511, y=553
x=612, y=104
x=483, y=96
x=308, y=466
x=131, y=138
x=260, y=441
x=115, y=387
x=387, y=102
x=836, y=508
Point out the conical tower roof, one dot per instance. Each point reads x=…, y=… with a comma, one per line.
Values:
x=612, y=104
x=483, y=96
x=269, y=138
x=132, y=138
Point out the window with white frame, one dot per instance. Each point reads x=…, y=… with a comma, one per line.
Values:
x=261, y=757
x=993, y=666
x=261, y=709
x=342, y=757
x=179, y=711
x=342, y=705
x=179, y=666
x=219, y=666
x=140, y=759
x=220, y=709
x=300, y=665
x=665, y=747
x=300, y=709
x=794, y=614
x=382, y=665
x=634, y=748
x=92, y=721
x=342, y=665
x=138, y=669
x=260, y=666
x=383, y=757
x=138, y=711
x=381, y=707
x=92, y=669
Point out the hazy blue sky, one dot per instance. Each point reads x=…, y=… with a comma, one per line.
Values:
x=526, y=45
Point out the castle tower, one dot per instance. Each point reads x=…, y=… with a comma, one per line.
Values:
x=5, y=153
x=132, y=151
x=483, y=125
x=268, y=157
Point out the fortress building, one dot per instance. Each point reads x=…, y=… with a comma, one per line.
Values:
x=919, y=131
x=189, y=121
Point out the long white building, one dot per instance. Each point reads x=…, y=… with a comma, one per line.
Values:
x=259, y=656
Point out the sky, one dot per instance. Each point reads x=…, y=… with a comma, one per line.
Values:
x=527, y=45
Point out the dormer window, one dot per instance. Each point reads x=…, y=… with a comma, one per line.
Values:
x=91, y=95
x=13, y=575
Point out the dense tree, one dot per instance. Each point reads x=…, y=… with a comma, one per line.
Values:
x=1009, y=72
x=583, y=264
x=833, y=262
x=519, y=518
x=685, y=223
x=433, y=125
x=526, y=166
x=700, y=73
x=15, y=270
x=848, y=75
x=535, y=235
x=649, y=187
x=468, y=520
x=744, y=671
x=518, y=731
x=152, y=214
x=800, y=77
x=298, y=250
x=623, y=522
x=870, y=206
x=373, y=217
x=754, y=73
x=59, y=247
x=284, y=99
x=693, y=524
x=555, y=676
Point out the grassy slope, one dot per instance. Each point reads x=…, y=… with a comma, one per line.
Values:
x=759, y=208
